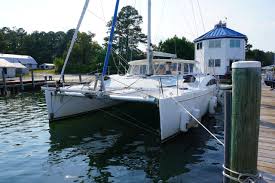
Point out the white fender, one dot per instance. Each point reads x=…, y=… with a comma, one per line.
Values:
x=184, y=120
x=197, y=114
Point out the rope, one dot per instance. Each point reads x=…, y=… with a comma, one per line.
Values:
x=241, y=177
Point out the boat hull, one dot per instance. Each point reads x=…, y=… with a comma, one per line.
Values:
x=174, y=118
x=61, y=105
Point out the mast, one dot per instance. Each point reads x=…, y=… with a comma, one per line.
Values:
x=110, y=42
x=74, y=39
x=149, y=50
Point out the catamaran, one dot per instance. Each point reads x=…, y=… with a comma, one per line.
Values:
x=177, y=87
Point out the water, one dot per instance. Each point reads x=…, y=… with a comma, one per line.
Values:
x=100, y=148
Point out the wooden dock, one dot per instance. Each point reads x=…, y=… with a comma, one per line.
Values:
x=266, y=150
x=19, y=84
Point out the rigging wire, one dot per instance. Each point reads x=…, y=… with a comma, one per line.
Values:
x=201, y=15
x=97, y=16
x=193, y=13
x=102, y=10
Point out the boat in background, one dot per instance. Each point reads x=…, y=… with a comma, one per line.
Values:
x=181, y=93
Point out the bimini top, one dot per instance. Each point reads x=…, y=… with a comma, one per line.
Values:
x=220, y=31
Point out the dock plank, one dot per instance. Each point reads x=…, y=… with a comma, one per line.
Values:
x=266, y=149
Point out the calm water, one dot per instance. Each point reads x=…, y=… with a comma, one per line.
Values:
x=99, y=147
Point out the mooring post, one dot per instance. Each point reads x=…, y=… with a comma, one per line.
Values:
x=227, y=130
x=21, y=82
x=4, y=82
x=80, y=78
x=33, y=86
x=246, y=101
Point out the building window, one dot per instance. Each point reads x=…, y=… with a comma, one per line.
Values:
x=214, y=43
x=199, y=46
x=214, y=63
x=235, y=43
x=191, y=67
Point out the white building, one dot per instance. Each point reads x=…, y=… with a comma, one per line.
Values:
x=7, y=68
x=25, y=60
x=47, y=66
x=10, y=69
x=217, y=49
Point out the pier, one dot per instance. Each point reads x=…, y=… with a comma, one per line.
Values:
x=35, y=81
x=266, y=149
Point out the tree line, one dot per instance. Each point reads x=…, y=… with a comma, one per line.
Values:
x=88, y=55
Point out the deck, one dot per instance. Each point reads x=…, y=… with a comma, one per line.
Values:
x=266, y=150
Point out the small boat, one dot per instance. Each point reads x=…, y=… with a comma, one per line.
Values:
x=175, y=86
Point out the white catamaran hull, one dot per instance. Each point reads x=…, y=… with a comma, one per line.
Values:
x=173, y=116
x=65, y=105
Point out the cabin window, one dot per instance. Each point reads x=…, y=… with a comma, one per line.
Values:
x=199, y=46
x=186, y=70
x=143, y=69
x=174, y=68
x=214, y=43
x=134, y=69
x=212, y=82
x=168, y=68
x=235, y=43
x=159, y=69
x=214, y=63
x=179, y=68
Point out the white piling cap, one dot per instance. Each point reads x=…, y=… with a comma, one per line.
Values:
x=246, y=64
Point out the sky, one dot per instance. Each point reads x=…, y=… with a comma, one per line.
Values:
x=188, y=18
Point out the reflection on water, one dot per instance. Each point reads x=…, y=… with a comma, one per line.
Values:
x=101, y=148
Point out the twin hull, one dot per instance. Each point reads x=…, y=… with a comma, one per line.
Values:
x=173, y=116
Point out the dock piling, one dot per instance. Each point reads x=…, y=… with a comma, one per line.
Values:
x=33, y=85
x=4, y=82
x=21, y=82
x=246, y=100
x=80, y=78
x=45, y=78
x=227, y=130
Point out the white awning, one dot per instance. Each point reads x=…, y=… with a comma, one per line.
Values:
x=5, y=64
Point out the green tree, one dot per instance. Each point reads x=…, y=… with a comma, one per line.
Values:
x=58, y=62
x=180, y=46
x=128, y=34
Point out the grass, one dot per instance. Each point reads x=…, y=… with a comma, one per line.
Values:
x=41, y=72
